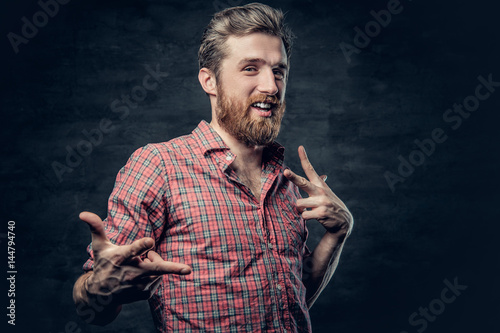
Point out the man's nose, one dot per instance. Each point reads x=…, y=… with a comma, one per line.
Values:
x=267, y=83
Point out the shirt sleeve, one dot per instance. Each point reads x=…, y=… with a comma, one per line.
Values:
x=136, y=207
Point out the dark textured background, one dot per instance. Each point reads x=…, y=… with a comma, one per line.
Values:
x=354, y=118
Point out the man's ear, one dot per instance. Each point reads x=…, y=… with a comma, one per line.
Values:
x=207, y=81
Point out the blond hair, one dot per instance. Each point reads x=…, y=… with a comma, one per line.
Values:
x=240, y=21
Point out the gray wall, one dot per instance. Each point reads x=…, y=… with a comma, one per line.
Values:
x=355, y=118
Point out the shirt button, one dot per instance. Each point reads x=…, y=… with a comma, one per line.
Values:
x=279, y=286
x=228, y=158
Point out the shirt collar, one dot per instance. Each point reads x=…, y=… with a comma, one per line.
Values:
x=210, y=140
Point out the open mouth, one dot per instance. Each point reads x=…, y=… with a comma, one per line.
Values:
x=264, y=109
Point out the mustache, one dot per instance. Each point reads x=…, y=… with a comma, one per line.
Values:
x=261, y=98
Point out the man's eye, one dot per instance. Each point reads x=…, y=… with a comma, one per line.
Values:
x=249, y=69
x=279, y=74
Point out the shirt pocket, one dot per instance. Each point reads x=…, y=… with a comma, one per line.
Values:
x=295, y=227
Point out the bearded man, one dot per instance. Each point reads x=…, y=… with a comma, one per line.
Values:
x=210, y=226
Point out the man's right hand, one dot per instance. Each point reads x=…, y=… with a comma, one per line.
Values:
x=119, y=271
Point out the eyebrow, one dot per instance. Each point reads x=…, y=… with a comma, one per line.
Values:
x=281, y=65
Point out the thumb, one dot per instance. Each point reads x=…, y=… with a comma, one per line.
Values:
x=96, y=228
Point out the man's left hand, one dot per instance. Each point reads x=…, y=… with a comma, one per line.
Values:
x=322, y=204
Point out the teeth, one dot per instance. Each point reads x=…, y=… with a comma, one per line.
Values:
x=262, y=105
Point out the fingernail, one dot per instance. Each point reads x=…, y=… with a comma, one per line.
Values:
x=185, y=271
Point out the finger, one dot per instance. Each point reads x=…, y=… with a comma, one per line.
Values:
x=301, y=182
x=153, y=256
x=147, y=287
x=307, y=166
x=138, y=247
x=303, y=204
x=156, y=258
x=155, y=285
x=161, y=267
x=178, y=268
x=96, y=228
x=310, y=215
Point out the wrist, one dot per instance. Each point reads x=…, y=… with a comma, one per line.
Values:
x=85, y=285
x=336, y=235
x=80, y=292
x=104, y=311
x=340, y=232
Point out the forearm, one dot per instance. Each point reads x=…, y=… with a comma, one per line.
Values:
x=320, y=265
x=97, y=310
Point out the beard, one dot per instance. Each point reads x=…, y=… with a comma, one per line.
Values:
x=236, y=119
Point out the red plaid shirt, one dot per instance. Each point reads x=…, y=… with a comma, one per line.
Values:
x=245, y=253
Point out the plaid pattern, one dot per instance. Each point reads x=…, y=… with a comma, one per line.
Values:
x=246, y=254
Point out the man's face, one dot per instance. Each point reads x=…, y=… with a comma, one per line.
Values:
x=251, y=88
